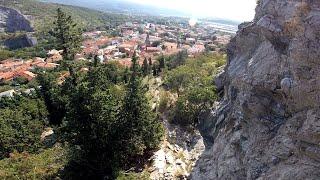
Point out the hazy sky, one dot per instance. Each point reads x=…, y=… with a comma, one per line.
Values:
x=239, y=10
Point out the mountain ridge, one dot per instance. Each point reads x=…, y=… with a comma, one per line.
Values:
x=127, y=7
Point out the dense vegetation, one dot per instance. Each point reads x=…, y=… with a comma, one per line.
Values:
x=22, y=120
x=45, y=165
x=98, y=113
x=192, y=83
x=43, y=14
x=91, y=110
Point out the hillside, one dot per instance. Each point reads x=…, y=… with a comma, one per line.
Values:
x=39, y=12
x=123, y=6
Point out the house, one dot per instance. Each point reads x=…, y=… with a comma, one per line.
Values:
x=190, y=40
x=29, y=91
x=128, y=47
x=127, y=62
x=7, y=76
x=92, y=34
x=26, y=74
x=89, y=51
x=54, y=58
x=104, y=41
x=46, y=65
x=54, y=51
x=101, y=58
x=9, y=93
x=196, y=49
x=63, y=76
x=153, y=49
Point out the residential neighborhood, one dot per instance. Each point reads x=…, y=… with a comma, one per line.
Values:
x=148, y=40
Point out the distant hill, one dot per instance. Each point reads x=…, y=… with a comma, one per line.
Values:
x=121, y=6
x=41, y=14
x=130, y=8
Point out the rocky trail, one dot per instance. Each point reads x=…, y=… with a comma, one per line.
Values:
x=179, y=151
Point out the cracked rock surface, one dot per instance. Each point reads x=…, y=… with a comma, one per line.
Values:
x=267, y=125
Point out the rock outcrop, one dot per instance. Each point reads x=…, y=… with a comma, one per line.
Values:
x=25, y=40
x=11, y=21
x=268, y=124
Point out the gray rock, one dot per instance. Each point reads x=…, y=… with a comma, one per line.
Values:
x=25, y=40
x=267, y=126
x=286, y=84
x=219, y=81
x=12, y=20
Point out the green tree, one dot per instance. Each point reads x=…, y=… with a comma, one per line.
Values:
x=154, y=70
x=68, y=35
x=92, y=122
x=55, y=97
x=143, y=131
x=162, y=62
x=113, y=128
x=193, y=84
x=22, y=120
x=189, y=106
x=145, y=67
x=179, y=79
x=45, y=165
x=177, y=60
x=126, y=75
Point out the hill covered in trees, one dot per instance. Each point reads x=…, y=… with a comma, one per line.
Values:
x=41, y=14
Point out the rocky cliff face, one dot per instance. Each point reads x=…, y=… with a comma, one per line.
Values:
x=11, y=21
x=25, y=40
x=268, y=123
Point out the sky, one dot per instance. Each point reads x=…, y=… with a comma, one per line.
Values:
x=237, y=10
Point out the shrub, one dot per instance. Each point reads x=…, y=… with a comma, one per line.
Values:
x=193, y=84
x=45, y=165
x=133, y=176
x=164, y=101
x=22, y=121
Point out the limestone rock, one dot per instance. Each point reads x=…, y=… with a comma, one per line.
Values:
x=267, y=125
x=48, y=138
x=26, y=40
x=12, y=20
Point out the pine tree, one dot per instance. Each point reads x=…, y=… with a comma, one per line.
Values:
x=142, y=131
x=161, y=62
x=126, y=75
x=68, y=35
x=145, y=67
x=154, y=70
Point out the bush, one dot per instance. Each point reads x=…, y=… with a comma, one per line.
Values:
x=164, y=101
x=133, y=176
x=22, y=121
x=191, y=104
x=45, y=165
x=193, y=84
x=5, y=54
